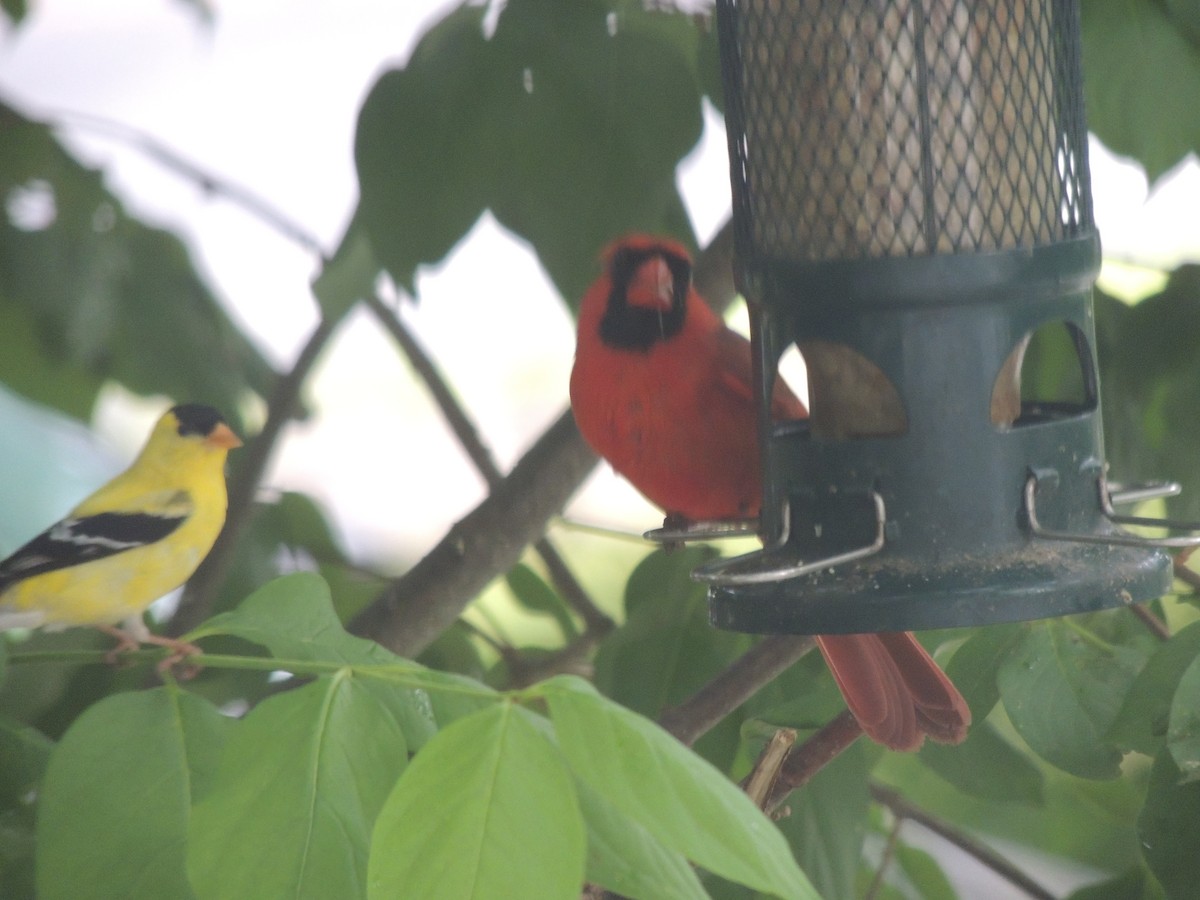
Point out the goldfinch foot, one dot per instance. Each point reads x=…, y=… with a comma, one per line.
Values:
x=180, y=650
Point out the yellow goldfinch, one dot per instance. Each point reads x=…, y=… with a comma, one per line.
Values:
x=140, y=536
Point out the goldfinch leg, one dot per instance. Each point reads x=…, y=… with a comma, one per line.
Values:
x=180, y=650
x=135, y=633
x=125, y=642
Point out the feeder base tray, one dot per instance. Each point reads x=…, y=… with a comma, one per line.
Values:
x=882, y=594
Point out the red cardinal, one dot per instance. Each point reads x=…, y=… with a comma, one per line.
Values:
x=661, y=388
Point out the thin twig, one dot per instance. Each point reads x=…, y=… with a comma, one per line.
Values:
x=734, y=685
x=885, y=859
x=1153, y=623
x=1187, y=575
x=765, y=772
x=905, y=809
x=807, y=759
x=218, y=186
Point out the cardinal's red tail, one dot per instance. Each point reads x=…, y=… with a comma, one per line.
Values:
x=895, y=689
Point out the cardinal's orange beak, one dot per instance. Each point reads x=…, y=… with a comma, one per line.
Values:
x=223, y=436
x=652, y=285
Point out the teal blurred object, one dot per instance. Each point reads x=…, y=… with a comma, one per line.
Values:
x=48, y=463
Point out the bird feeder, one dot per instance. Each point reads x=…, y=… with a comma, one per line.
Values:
x=911, y=204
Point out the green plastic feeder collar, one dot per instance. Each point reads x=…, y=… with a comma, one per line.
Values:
x=911, y=203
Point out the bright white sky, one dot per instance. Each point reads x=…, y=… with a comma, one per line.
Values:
x=267, y=98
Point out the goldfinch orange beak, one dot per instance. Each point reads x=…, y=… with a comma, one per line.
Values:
x=223, y=436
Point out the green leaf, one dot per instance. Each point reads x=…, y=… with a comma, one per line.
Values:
x=679, y=798
x=99, y=296
x=1131, y=49
x=1141, y=724
x=1131, y=885
x=1167, y=829
x=625, y=858
x=828, y=822
x=974, y=666
x=16, y=10
x=300, y=784
x=117, y=796
x=1062, y=693
x=349, y=276
x=487, y=809
x=987, y=766
x=666, y=649
x=24, y=752
x=535, y=595
x=924, y=871
x=1183, y=735
x=1151, y=377
x=473, y=123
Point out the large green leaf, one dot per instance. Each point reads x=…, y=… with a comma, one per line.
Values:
x=1063, y=691
x=1167, y=829
x=1151, y=376
x=987, y=766
x=685, y=803
x=626, y=858
x=292, y=807
x=486, y=810
x=1132, y=51
x=88, y=293
x=293, y=617
x=1145, y=715
x=1183, y=733
x=827, y=822
x=567, y=122
x=117, y=796
x=667, y=648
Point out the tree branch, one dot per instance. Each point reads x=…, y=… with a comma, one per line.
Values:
x=418, y=606
x=743, y=678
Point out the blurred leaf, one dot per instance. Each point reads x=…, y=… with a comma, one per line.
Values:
x=1183, y=734
x=486, y=810
x=666, y=649
x=1167, y=829
x=536, y=596
x=24, y=752
x=1131, y=885
x=827, y=822
x=300, y=784
x=1142, y=722
x=669, y=790
x=349, y=276
x=625, y=858
x=16, y=10
x=1131, y=50
x=987, y=766
x=974, y=666
x=116, y=799
x=1062, y=693
x=91, y=294
x=924, y=872
x=1151, y=377
x=473, y=123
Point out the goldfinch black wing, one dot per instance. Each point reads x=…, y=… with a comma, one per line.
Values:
x=80, y=539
